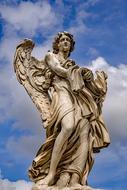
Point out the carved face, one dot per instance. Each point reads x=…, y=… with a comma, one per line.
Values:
x=64, y=43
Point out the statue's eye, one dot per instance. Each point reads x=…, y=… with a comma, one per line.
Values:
x=63, y=39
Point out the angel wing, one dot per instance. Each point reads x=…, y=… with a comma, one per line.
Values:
x=35, y=76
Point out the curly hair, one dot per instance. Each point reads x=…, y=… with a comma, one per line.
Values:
x=57, y=38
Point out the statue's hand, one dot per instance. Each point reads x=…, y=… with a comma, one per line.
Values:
x=102, y=74
x=105, y=75
x=87, y=74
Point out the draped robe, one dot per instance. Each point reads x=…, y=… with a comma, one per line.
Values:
x=85, y=98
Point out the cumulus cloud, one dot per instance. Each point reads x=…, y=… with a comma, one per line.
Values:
x=24, y=147
x=92, y=52
x=110, y=167
x=16, y=106
x=18, y=185
x=7, y=47
x=28, y=17
x=115, y=106
x=11, y=106
x=5, y=184
x=79, y=26
x=40, y=50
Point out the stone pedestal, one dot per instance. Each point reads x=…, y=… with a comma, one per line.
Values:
x=76, y=187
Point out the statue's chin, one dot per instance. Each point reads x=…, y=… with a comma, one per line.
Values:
x=66, y=48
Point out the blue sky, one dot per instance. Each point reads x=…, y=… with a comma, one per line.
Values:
x=100, y=31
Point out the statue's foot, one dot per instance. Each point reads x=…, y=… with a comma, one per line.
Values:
x=77, y=186
x=81, y=187
x=63, y=180
x=48, y=180
x=37, y=187
x=86, y=187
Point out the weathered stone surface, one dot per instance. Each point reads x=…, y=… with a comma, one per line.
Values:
x=77, y=187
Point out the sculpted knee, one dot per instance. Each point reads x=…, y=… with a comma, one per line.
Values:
x=68, y=124
x=68, y=129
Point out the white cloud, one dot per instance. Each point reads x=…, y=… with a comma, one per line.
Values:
x=40, y=50
x=99, y=63
x=115, y=106
x=16, y=106
x=28, y=16
x=110, y=165
x=15, y=103
x=7, y=47
x=5, y=184
x=79, y=26
x=92, y=52
x=24, y=147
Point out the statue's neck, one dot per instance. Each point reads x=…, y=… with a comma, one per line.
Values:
x=63, y=55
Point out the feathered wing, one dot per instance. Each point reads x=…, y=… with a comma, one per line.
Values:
x=35, y=76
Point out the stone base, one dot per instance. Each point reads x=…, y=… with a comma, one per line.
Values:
x=76, y=187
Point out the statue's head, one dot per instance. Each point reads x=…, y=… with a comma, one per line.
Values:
x=58, y=39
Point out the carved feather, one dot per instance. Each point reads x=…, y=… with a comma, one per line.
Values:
x=34, y=76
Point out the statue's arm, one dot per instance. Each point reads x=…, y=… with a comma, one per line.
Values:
x=55, y=66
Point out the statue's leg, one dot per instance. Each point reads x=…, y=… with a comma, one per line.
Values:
x=63, y=180
x=67, y=126
x=82, y=151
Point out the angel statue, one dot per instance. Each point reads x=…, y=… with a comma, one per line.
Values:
x=69, y=99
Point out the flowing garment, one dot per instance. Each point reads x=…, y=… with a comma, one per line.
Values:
x=85, y=99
